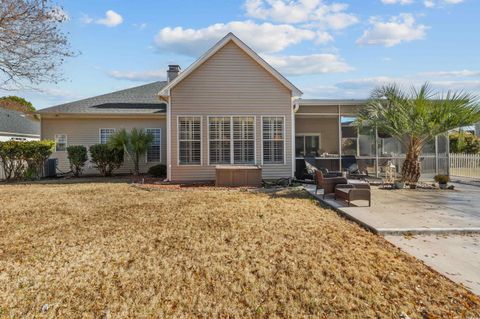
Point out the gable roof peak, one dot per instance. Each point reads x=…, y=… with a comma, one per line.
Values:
x=165, y=92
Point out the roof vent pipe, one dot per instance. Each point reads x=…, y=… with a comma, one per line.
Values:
x=172, y=72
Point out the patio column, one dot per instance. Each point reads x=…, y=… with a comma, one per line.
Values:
x=376, y=152
x=448, y=152
x=436, y=154
x=339, y=138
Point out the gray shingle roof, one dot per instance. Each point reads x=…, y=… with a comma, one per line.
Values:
x=17, y=122
x=137, y=100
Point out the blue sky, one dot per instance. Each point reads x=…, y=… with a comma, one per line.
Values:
x=328, y=49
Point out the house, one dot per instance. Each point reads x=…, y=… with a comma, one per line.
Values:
x=17, y=126
x=229, y=107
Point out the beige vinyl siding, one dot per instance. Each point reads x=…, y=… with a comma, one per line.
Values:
x=86, y=131
x=328, y=109
x=230, y=83
x=333, y=109
x=349, y=109
x=327, y=127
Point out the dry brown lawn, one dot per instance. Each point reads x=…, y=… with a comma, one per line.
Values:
x=116, y=251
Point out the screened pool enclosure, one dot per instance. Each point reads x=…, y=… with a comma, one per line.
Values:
x=324, y=130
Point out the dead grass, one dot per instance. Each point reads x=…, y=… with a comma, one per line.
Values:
x=116, y=251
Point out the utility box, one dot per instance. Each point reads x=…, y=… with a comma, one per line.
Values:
x=235, y=176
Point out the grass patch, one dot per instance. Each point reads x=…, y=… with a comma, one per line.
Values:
x=112, y=250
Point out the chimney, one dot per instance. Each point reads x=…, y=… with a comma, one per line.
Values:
x=172, y=73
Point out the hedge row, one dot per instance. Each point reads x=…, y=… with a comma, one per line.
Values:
x=24, y=160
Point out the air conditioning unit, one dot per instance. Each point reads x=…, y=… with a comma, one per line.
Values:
x=50, y=167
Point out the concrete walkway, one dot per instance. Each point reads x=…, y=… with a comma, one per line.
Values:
x=455, y=256
x=445, y=226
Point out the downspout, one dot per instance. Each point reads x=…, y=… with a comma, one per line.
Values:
x=169, y=138
x=295, y=107
x=339, y=138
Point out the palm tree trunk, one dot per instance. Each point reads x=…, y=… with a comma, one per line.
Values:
x=411, y=167
x=136, y=169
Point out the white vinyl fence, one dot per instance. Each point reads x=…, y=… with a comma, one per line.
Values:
x=465, y=165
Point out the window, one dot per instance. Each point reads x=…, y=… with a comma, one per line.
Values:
x=219, y=129
x=105, y=134
x=153, y=151
x=244, y=140
x=307, y=145
x=189, y=140
x=273, y=140
x=60, y=142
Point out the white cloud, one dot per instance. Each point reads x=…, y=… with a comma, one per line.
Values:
x=111, y=19
x=308, y=64
x=328, y=16
x=402, y=2
x=429, y=4
x=265, y=37
x=440, y=3
x=398, y=29
x=454, y=74
x=142, y=76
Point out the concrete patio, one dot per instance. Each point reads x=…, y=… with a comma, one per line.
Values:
x=414, y=211
x=441, y=228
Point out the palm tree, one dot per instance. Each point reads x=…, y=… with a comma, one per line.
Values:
x=415, y=117
x=134, y=144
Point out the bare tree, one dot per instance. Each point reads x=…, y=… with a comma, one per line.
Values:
x=32, y=45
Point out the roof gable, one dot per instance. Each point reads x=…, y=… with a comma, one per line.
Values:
x=227, y=39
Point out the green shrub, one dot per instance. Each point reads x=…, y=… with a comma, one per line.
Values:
x=159, y=170
x=11, y=156
x=106, y=158
x=77, y=155
x=36, y=153
x=464, y=142
x=24, y=159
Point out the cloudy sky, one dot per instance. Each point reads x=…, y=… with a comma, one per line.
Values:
x=329, y=49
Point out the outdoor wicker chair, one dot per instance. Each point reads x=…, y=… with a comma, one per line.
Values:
x=327, y=183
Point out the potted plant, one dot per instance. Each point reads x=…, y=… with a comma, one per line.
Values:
x=399, y=184
x=442, y=181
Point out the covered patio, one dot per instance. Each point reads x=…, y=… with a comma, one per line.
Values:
x=324, y=130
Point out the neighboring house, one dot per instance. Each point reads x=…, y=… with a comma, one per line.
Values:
x=229, y=107
x=18, y=126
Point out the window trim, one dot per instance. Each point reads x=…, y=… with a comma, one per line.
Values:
x=160, y=145
x=201, y=140
x=232, y=155
x=100, y=133
x=66, y=142
x=284, y=140
x=319, y=135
